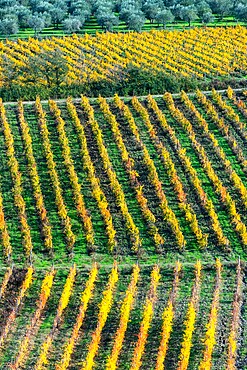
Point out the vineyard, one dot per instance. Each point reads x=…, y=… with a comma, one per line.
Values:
x=201, y=53
x=129, y=318
x=137, y=179
x=99, y=201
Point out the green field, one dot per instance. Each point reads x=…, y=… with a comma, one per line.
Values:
x=91, y=27
x=11, y=347
x=170, y=250
x=127, y=156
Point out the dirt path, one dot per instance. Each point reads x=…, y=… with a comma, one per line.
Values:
x=126, y=98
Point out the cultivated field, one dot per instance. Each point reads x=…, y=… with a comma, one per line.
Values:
x=145, y=182
x=202, y=53
x=142, y=179
x=127, y=318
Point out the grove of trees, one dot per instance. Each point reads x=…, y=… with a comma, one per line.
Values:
x=72, y=14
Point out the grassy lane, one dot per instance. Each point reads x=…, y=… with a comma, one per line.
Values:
x=206, y=294
x=136, y=152
x=31, y=211
x=202, y=216
x=217, y=163
x=184, y=293
x=236, y=132
x=130, y=195
x=124, y=244
x=48, y=317
x=77, y=227
x=10, y=211
x=207, y=186
x=91, y=204
x=60, y=254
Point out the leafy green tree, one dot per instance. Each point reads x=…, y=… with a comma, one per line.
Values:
x=9, y=25
x=136, y=21
x=23, y=14
x=58, y=12
x=165, y=16
x=117, y=6
x=171, y=3
x=11, y=72
x=7, y=8
x=105, y=15
x=202, y=7
x=37, y=23
x=207, y=17
x=47, y=68
x=241, y=12
x=188, y=13
x=151, y=8
x=132, y=14
x=107, y=19
x=43, y=7
x=72, y=24
x=221, y=7
x=129, y=7
x=81, y=9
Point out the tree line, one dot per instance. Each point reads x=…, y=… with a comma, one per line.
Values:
x=72, y=14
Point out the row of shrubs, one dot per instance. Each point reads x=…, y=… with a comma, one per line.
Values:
x=138, y=82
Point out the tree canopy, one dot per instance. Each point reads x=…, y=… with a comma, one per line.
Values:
x=72, y=14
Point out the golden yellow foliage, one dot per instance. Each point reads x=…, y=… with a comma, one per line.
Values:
x=148, y=311
x=104, y=310
x=196, y=52
x=86, y=295
x=35, y=321
x=125, y=314
x=63, y=302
